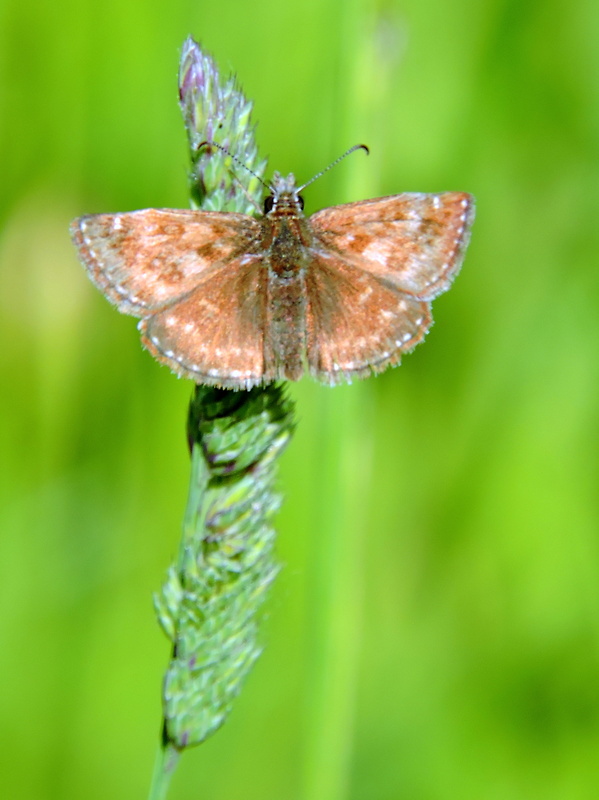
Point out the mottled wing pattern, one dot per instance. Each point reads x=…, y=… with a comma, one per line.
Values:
x=200, y=280
x=216, y=335
x=356, y=324
x=146, y=260
x=414, y=242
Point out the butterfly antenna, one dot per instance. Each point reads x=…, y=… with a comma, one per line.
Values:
x=335, y=162
x=235, y=159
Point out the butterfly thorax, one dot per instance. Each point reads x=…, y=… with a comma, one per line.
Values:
x=285, y=231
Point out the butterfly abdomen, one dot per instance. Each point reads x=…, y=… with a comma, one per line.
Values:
x=286, y=303
x=286, y=320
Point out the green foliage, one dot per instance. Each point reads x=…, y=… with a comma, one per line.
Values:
x=226, y=563
x=216, y=110
x=209, y=604
x=464, y=577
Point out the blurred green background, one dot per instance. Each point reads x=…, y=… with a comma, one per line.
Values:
x=434, y=632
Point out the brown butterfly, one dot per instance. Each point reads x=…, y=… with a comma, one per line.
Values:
x=233, y=301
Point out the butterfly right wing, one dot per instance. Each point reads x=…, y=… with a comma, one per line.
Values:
x=375, y=266
x=145, y=260
x=413, y=241
x=356, y=324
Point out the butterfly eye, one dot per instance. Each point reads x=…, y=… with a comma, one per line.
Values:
x=268, y=203
x=300, y=200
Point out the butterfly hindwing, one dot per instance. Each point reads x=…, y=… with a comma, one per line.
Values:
x=216, y=335
x=356, y=324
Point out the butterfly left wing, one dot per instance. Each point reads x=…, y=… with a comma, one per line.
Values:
x=195, y=279
x=145, y=260
x=216, y=334
x=414, y=242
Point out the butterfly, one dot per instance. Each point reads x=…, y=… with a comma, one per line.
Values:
x=234, y=301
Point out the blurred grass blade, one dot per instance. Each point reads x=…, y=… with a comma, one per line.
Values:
x=209, y=603
x=216, y=110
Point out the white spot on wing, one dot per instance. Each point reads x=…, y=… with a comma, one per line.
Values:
x=377, y=251
x=365, y=294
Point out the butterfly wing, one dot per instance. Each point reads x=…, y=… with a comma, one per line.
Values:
x=194, y=278
x=413, y=242
x=356, y=324
x=216, y=334
x=375, y=266
x=145, y=260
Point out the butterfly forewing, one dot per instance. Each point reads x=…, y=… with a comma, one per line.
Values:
x=415, y=242
x=216, y=335
x=146, y=260
x=356, y=324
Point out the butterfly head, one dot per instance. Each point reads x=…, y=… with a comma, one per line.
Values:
x=284, y=197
